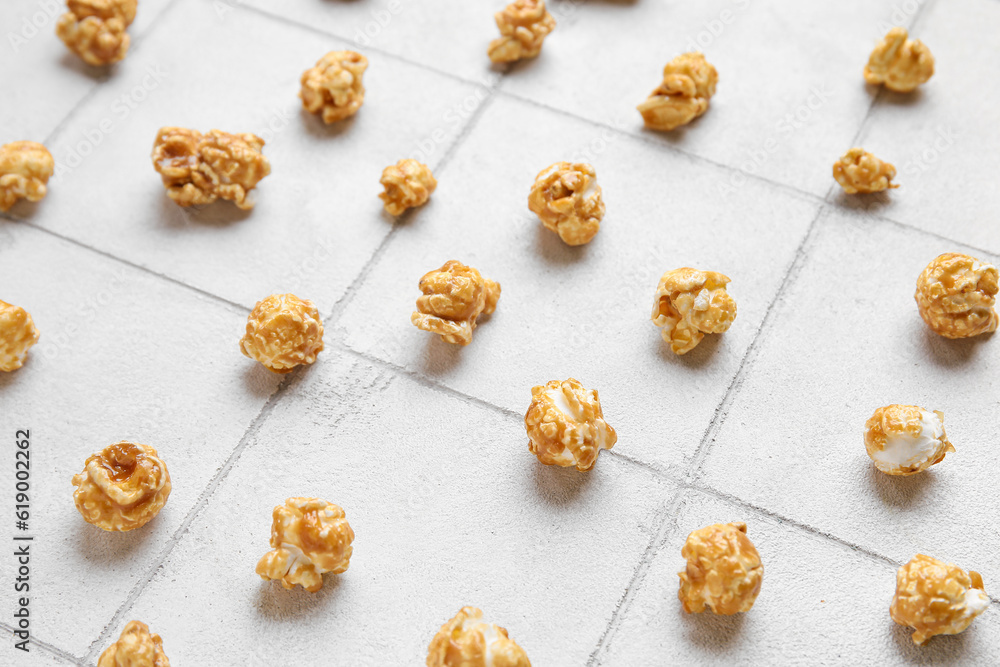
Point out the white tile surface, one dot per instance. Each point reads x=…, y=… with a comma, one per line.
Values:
x=122, y=355
x=583, y=312
x=466, y=516
x=846, y=340
x=317, y=219
x=820, y=604
x=422, y=443
x=942, y=146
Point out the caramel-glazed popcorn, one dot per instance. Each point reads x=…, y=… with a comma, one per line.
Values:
x=407, y=183
x=566, y=425
x=135, y=648
x=17, y=335
x=523, y=24
x=901, y=64
x=283, y=331
x=25, y=168
x=309, y=536
x=860, y=171
x=122, y=487
x=469, y=641
x=199, y=168
x=333, y=87
x=906, y=439
x=723, y=570
x=955, y=296
x=688, y=84
x=936, y=598
x=567, y=199
x=454, y=297
x=689, y=304
x=95, y=29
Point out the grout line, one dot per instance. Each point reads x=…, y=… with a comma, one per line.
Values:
x=45, y=646
x=251, y=432
x=232, y=305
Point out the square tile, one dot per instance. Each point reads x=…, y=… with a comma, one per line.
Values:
x=448, y=508
x=941, y=147
x=318, y=218
x=821, y=603
x=846, y=340
x=582, y=312
x=791, y=94
x=123, y=355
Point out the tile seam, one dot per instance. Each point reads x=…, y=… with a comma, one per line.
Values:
x=46, y=647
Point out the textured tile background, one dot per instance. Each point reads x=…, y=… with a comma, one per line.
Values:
x=141, y=305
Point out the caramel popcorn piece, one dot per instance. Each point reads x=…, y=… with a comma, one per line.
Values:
x=309, y=536
x=566, y=425
x=860, y=171
x=199, y=168
x=469, y=641
x=688, y=84
x=523, y=24
x=135, y=648
x=955, y=296
x=689, y=304
x=936, y=598
x=25, y=168
x=723, y=570
x=454, y=297
x=901, y=64
x=334, y=85
x=122, y=487
x=906, y=439
x=567, y=199
x=95, y=29
x=407, y=183
x=17, y=335
x=283, y=331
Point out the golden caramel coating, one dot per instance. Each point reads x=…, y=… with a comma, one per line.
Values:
x=566, y=425
x=523, y=24
x=469, y=641
x=95, y=29
x=17, y=335
x=956, y=294
x=723, y=570
x=906, y=439
x=283, y=331
x=567, y=199
x=333, y=87
x=454, y=297
x=309, y=536
x=199, y=168
x=688, y=84
x=901, y=64
x=860, y=171
x=122, y=487
x=936, y=598
x=135, y=648
x=25, y=168
x=689, y=304
x=407, y=183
